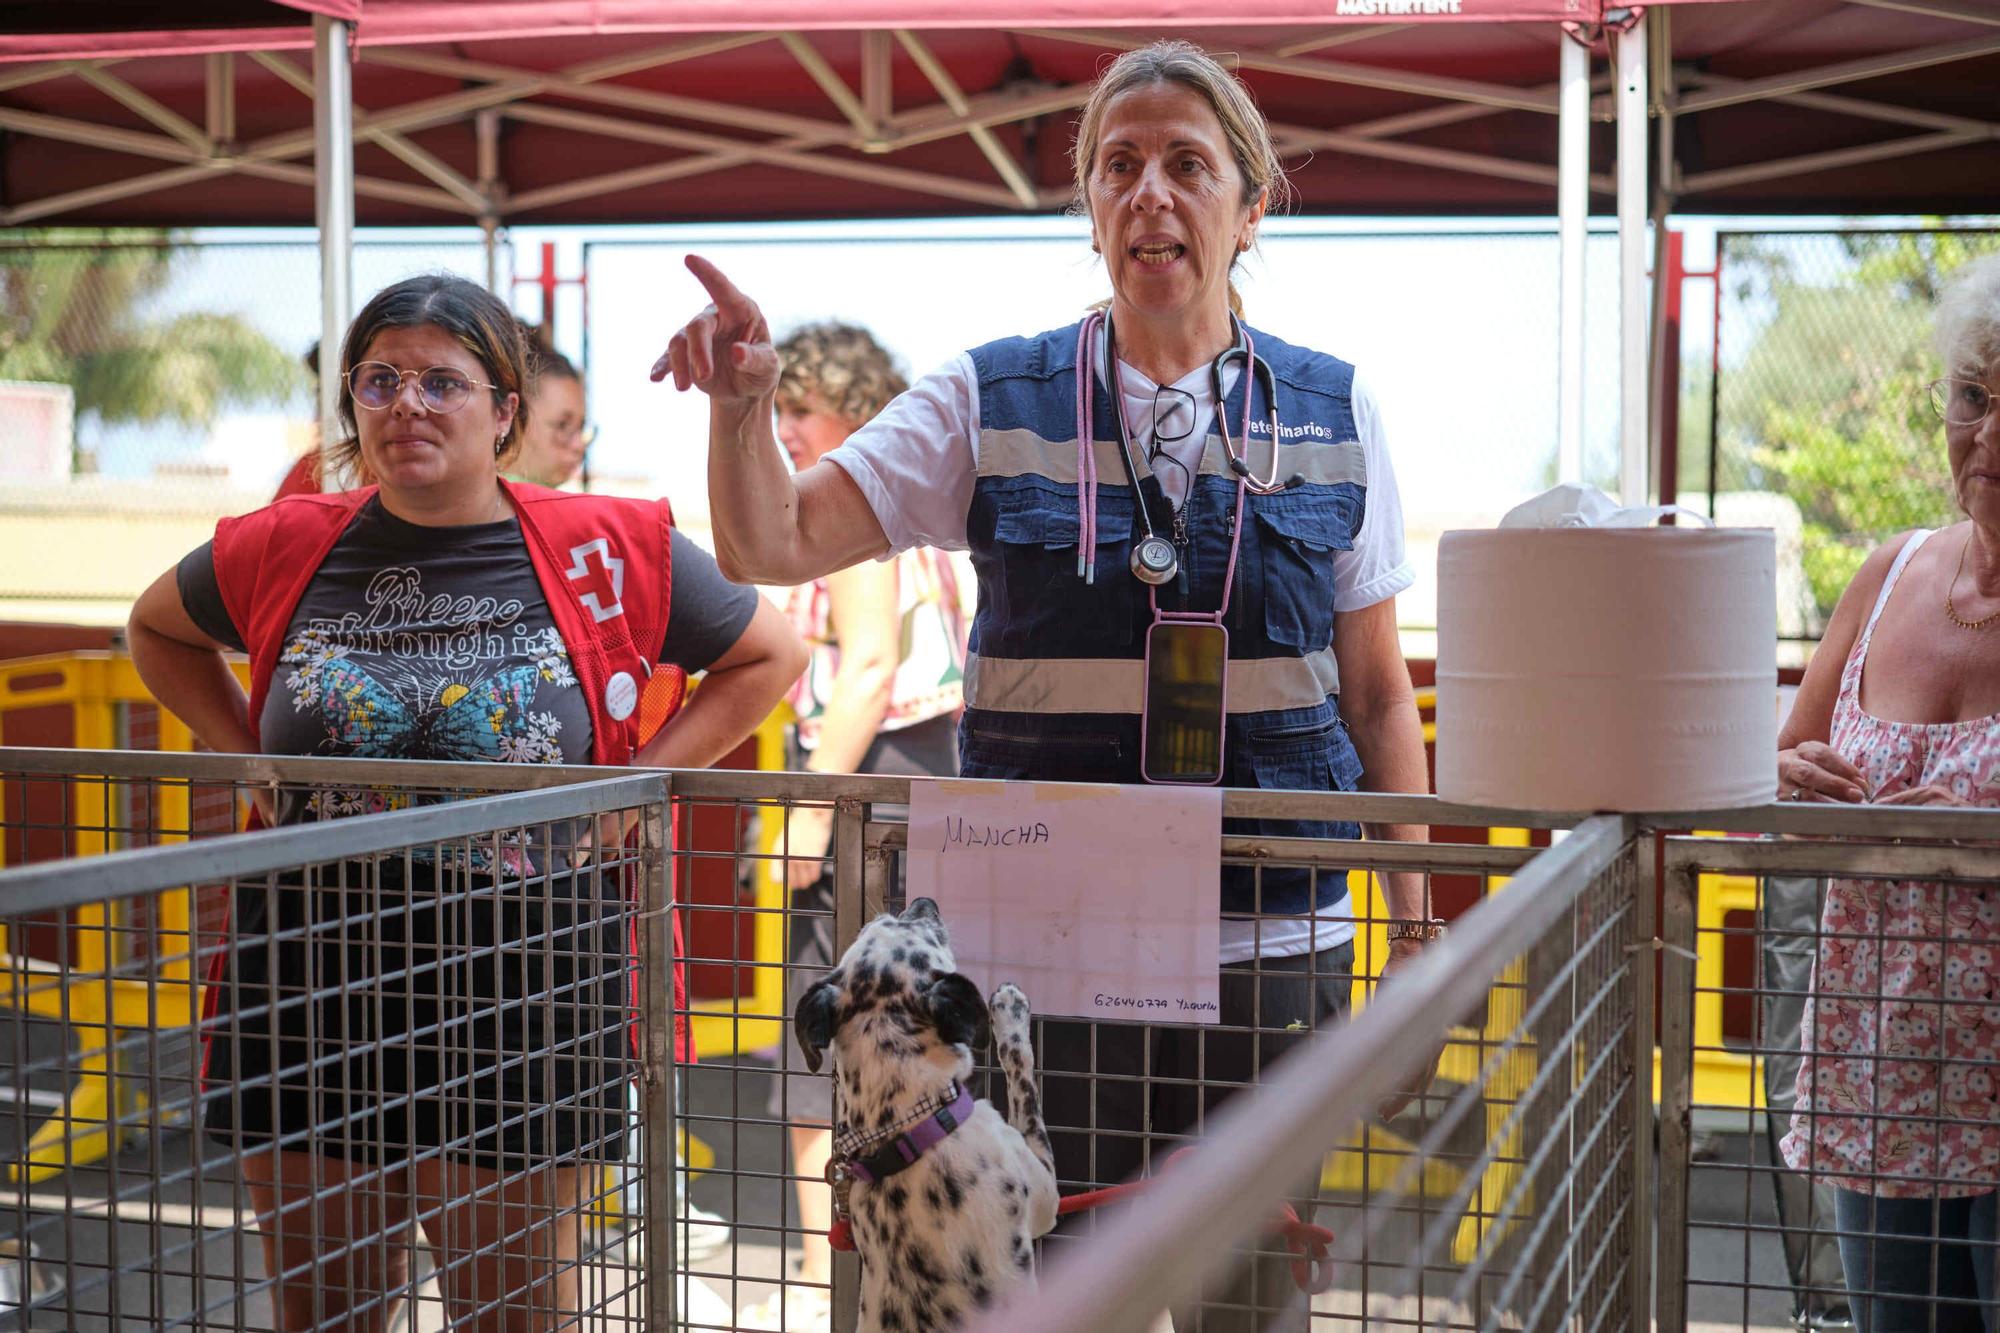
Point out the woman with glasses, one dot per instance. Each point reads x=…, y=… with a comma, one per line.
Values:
x=1128, y=486
x=556, y=438
x=1899, y=1087
x=439, y=1040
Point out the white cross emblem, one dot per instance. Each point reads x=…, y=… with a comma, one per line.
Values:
x=603, y=579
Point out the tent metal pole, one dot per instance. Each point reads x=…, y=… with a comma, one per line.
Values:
x=486, y=136
x=1663, y=366
x=1634, y=305
x=1573, y=215
x=333, y=193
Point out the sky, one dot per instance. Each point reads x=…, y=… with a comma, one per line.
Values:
x=1453, y=321
x=1456, y=333
x=1454, y=325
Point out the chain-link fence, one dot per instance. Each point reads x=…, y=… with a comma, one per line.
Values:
x=1820, y=423
x=151, y=382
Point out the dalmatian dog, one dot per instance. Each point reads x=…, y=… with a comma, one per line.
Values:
x=946, y=1197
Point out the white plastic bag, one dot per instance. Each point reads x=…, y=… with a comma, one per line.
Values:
x=1574, y=506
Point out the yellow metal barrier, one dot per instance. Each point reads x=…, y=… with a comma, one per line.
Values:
x=756, y=1021
x=96, y=1004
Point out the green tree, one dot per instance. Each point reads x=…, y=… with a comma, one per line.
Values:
x=73, y=310
x=1827, y=406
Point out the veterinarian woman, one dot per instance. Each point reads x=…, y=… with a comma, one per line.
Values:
x=1079, y=552
x=438, y=1040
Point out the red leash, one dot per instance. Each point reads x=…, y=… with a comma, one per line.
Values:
x=1310, y=1243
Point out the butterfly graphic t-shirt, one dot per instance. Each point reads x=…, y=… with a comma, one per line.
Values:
x=426, y=643
x=419, y=642
x=415, y=642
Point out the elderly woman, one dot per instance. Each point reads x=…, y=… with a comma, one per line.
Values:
x=1897, y=1100
x=1089, y=554
x=444, y=614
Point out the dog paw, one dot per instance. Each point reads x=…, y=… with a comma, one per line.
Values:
x=1007, y=999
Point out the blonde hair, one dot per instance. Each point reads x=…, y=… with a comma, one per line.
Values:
x=1187, y=66
x=839, y=365
x=1967, y=326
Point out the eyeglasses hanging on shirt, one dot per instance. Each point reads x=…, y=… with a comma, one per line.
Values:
x=1184, y=706
x=1172, y=420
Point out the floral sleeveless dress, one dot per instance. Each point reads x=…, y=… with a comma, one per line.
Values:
x=1899, y=1088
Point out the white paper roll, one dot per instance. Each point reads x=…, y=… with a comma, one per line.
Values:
x=1607, y=669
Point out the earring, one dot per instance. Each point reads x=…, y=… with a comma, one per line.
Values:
x=499, y=446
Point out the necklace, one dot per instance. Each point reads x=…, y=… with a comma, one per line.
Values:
x=1951, y=612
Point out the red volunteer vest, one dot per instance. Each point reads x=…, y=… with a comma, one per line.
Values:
x=604, y=563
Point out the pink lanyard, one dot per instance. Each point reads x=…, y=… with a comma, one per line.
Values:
x=1086, y=469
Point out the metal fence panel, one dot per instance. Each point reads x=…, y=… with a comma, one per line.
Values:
x=1752, y=1237
x=753, y=1114
x=1511, y=1206
x=395, y=1067
x=1517, y=1193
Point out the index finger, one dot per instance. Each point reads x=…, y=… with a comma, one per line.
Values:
x=720, y=289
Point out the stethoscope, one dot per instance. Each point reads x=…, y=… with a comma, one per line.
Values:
x=1256, y=366
x=1155, y=560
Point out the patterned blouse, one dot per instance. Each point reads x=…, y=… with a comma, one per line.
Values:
x=930, y=674
x=1901, y=1036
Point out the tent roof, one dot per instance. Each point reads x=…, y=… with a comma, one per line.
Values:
x=85, y=29
x=580, y=111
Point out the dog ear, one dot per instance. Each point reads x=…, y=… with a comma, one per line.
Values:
x=958, y=1010
x=813, y=1021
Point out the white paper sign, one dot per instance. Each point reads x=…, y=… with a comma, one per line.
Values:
x=1097, y=901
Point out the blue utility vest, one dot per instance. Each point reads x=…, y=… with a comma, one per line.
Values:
x=1055, y=681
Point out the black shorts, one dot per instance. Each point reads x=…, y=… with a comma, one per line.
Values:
x=381, y=1015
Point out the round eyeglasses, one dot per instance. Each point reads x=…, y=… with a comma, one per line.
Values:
x=569, y=428
x=377, y=384
x=1961, y=402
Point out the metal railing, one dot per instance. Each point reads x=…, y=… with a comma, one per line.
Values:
x=394, y=1066
x=1749, y=1232
x=1519, y=1192
x=1546, y=1223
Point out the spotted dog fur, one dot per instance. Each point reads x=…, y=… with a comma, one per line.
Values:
x=955, y=1231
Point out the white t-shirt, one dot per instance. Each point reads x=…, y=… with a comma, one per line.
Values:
x=917, y=460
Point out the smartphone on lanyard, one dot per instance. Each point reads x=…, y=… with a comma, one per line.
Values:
x=1186, y=702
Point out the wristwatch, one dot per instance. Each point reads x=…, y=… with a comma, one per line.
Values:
x=1432, y=929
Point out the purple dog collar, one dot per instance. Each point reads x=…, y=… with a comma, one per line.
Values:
x=901, y=1152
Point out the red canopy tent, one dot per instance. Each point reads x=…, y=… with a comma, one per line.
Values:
x=572, y=111
x=615, y=110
